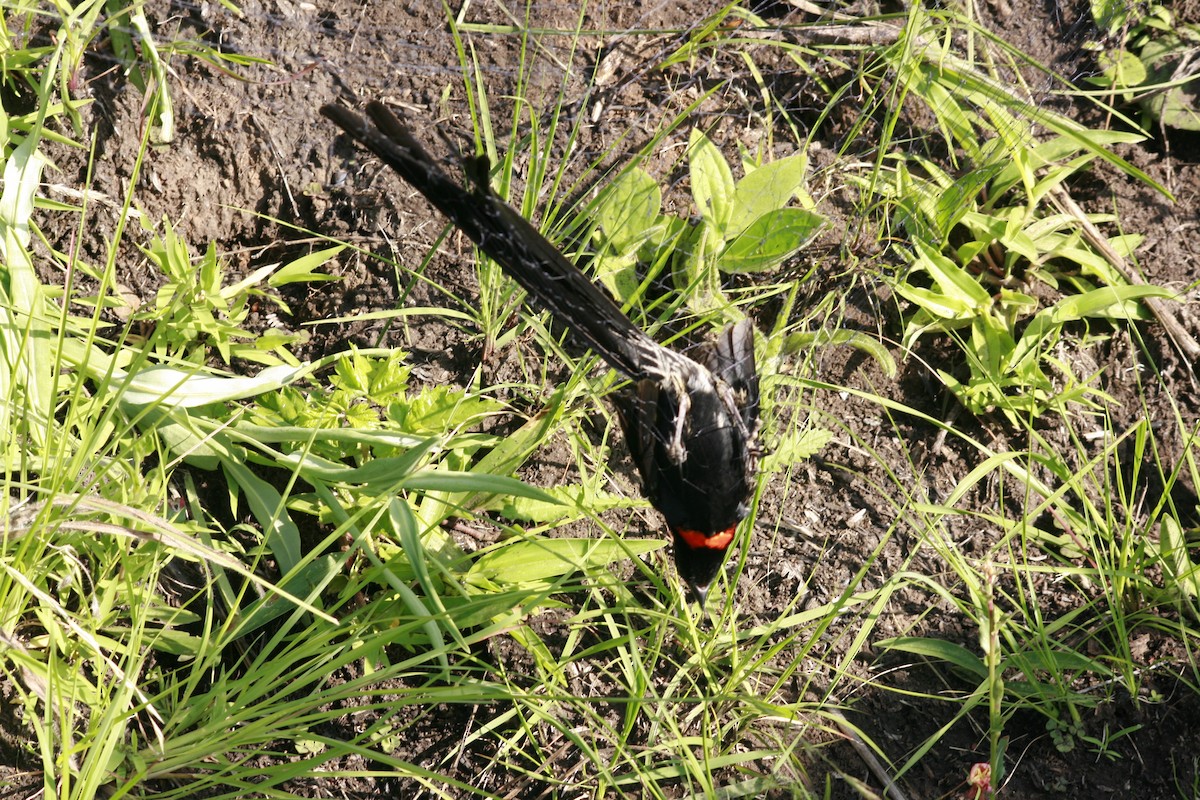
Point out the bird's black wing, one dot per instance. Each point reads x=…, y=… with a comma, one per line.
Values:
x=527, y=256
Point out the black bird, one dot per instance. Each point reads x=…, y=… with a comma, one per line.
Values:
x=691, y=424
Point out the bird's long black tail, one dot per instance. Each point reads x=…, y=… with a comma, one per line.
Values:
x=512, y=242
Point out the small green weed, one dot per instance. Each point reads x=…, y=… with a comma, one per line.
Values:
x=196, y=309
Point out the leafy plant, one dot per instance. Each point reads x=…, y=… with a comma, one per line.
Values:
x=196, y=309
x=1008, y=366
x=1147, y=59
x=1170, y=94
x=746, y=226
x=978, y=240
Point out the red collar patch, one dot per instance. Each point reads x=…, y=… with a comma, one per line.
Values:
x=699, y=541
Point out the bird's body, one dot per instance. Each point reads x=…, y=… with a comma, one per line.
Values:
x=691, y=424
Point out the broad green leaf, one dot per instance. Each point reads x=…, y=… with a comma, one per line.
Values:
x=768, y=188
x=1176, y=103
x=214, y=288
x=186, y=436
x=1125, y=244
x=1110, y=15
x=986, y=228
x=505, y=607
x=505, y=458
x=282, y=537
x=439, y=409
x=1122, y=69
x=712, y=181
x=618, y=274
x=444, y=480
x=796, y=342
x=26, y=357
x=992, y=345
x=569, y=502
x=1177, y=108
x=952, y=279
x=1175, y=558
x=696, y=274
x=957, y=200
x=308, y=581
x=937, y=304
x=404, y=523
x=628, y=212
x=1057, y=149
x=176, y=388
x=539, y=559
x=953, y=119
x=377, y=475
x=1106, y=302
x=770, y=240
x=1016, y=304
x=1017, y=240
x=1056, y=661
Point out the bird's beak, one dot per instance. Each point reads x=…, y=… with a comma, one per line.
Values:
x=699, y=593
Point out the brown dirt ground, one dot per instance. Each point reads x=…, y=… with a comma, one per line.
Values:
x=249, y=152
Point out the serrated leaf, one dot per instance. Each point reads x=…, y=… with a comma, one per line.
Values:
x=442, y=408
x=795, y=447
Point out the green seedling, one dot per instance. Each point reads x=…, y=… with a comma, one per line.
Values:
x=196, y=309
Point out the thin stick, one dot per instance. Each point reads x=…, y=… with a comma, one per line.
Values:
x=1165, y=314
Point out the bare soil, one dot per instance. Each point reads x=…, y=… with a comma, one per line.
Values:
x=254, y=168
